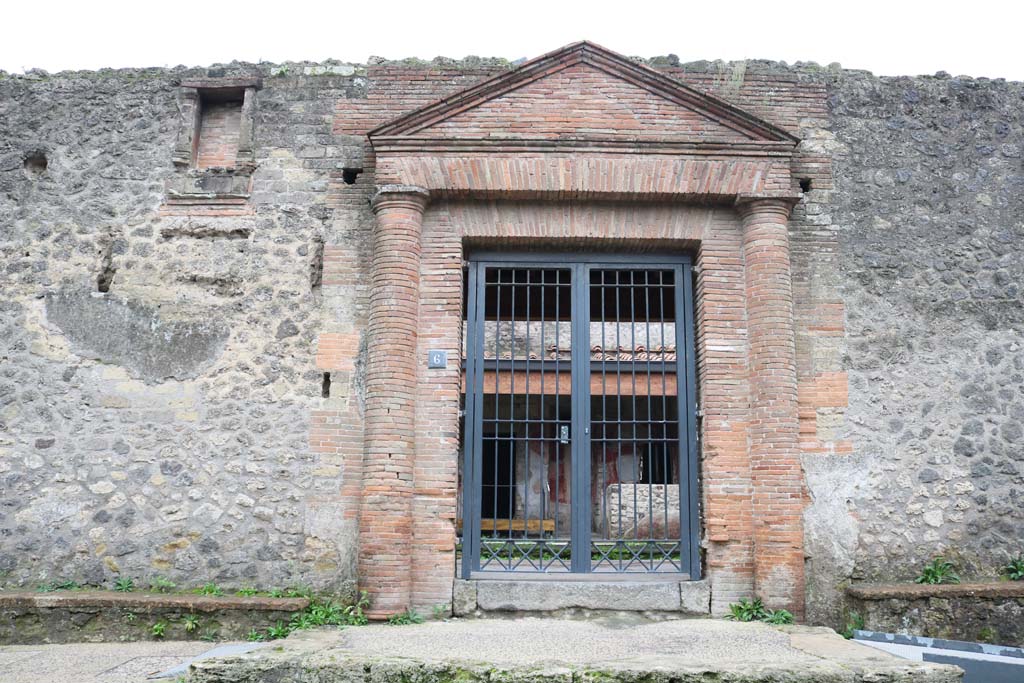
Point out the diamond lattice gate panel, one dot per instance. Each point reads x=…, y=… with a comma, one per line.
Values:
x=579, y=439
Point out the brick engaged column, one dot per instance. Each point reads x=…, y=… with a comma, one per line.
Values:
x=385, y=525
x=777, y=476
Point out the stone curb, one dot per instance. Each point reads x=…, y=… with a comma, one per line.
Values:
x=197, y=603
x=913, y=591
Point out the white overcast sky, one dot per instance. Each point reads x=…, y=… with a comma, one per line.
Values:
x=976, y=38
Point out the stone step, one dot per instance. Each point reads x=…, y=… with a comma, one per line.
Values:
x=627, y=649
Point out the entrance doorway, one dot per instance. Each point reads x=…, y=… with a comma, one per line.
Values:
x=579, y=437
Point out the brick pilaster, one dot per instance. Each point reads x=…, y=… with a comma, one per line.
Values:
x=777, y=479
x=385, y=526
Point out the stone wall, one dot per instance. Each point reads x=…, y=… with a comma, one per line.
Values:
x=157, y=370
x=180, y=393
x=927, y=208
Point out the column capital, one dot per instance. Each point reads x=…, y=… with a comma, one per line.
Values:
x=766, y=202
x=412, y=196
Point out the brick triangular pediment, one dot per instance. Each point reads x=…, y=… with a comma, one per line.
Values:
x=584, y=92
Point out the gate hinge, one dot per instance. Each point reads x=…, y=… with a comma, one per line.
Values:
x=696, y=270
x=700, y=412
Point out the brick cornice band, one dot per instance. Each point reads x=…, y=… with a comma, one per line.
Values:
x=777, y=479
x=385, y=528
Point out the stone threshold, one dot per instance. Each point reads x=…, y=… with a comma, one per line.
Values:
x=477, y=596
x=916, y=591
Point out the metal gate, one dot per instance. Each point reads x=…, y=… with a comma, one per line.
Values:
x=579, y=435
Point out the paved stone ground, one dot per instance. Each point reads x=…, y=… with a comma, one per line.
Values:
x=93, y=662
x=571, y=651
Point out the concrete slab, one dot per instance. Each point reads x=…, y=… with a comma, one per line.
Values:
x=181, y=668
x=93, y=662
x=614, y=648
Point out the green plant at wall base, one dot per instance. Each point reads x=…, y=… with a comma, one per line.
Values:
x=210, y=589
x=1014, y=571
x=158, y=629
x=354, y=613
x=247, y=592
x=191, y=622
x=278, y=630
x=938, y=571
x=988, y=635
x=162, y=584
x=778, y=617
x=442, y=611
x=59, y=586
x=124, y=584
x=293, y=592
x=407, y=617
x=319, y=613
x=255, y=636
x=854, y=622
x=747, y=610
x=754, y=610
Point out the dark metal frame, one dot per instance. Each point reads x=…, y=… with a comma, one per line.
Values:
x=685, y=372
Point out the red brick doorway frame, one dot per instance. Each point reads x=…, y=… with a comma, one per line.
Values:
x=730, y=199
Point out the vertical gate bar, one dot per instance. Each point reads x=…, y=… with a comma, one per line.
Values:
x=579, y=317
x=683, y=458
x=544, y=444
x=618, y=404
x=686, y=370
x=481, y=327
x=633, y=427
x=636, y=417
x=585, y=418
x=526, y=414
x=648, y=284
x=663, y=315
x=574, y=501
x=666, y=472
x=574, y=466
x=469, y=488
x=481, y=342
x=512, y=402
x=478, y=458
x=498, y=426
x=558, y=415
x=606, y=532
